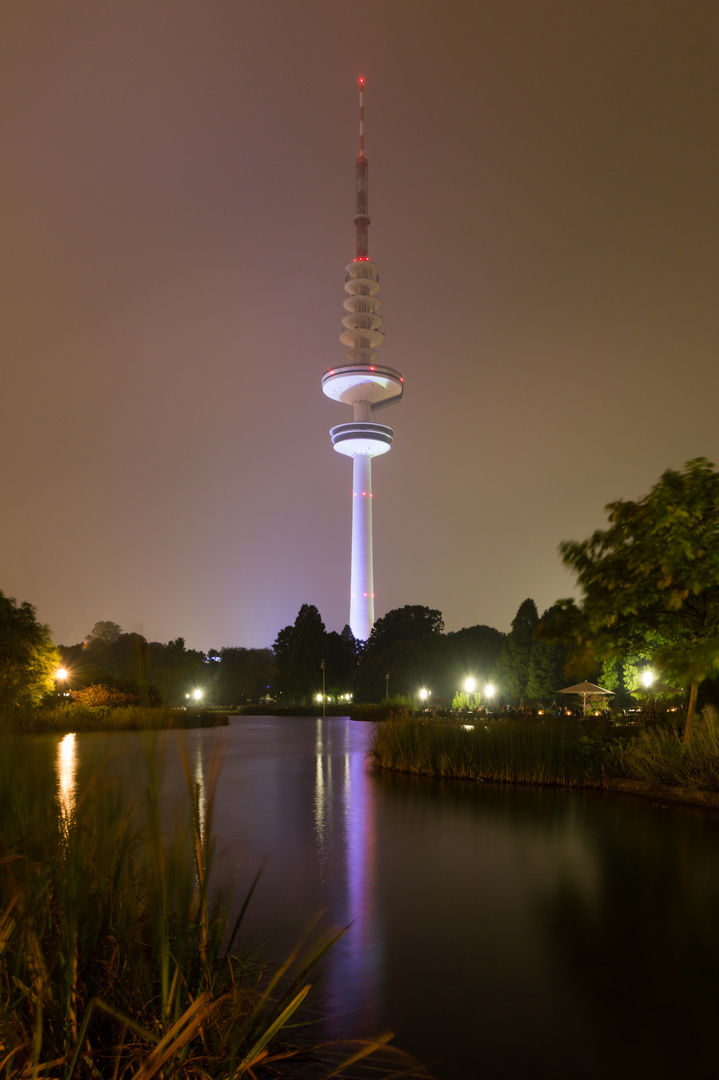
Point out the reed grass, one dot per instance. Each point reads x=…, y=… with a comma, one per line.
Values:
x=63, y=718
x=561, y=753
x=509, y=752
x=117, y=956
x=660, y=757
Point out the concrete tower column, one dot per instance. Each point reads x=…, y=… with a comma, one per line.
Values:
x=362, y=576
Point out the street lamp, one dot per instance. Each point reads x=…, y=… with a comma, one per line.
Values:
x=197, y=695
x=324, y=706
x=647, y=678
x=60, y=677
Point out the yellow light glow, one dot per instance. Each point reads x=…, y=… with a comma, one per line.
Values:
x=469, y=685
x=489, y=690
x=197, y=694
x=66, y=768
x=61, y=674
x=647, y=678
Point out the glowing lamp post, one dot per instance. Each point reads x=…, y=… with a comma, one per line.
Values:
x=489, y=692
x=61, y=677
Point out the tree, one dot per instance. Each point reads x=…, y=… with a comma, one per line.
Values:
x=472, y=651
x=28, y=658
x=512, y=668
x=405, y=642
x=656, y=568
x=107, y=632
x=546, y=664
x=410, y=623
x=299, y=652
x=244, y=674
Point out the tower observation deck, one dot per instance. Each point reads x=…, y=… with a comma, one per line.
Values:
x=367, y=387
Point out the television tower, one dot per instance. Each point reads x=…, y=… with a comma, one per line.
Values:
x=367, y=386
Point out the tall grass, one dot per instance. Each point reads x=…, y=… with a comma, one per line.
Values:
x=540, y=752
x=661, y=757
x=558, y=752
x=118, y=960
x=64, y=718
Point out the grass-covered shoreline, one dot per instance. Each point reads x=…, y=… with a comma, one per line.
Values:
x=61, y=719
x=119, y=958
x=558, y=753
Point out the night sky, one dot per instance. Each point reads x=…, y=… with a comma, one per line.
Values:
x=177, y=188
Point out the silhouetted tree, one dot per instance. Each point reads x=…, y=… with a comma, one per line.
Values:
x=107, y=632
x=471, y=651
x=244, y=674
x=299, y=652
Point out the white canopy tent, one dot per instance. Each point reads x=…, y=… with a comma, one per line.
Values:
x=586, y=689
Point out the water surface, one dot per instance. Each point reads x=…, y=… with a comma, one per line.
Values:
x=498, y=931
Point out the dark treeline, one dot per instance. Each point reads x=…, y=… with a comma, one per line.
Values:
x=170, y=673
x=407, y=651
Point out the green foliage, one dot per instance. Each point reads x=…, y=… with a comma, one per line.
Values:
x=100, y=696
x=562, y=753
x=546, y=663
x=94, y=717
x=28, y=658
x=655, y=569
x=511, y=672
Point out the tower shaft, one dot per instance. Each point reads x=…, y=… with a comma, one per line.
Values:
x=362, y=575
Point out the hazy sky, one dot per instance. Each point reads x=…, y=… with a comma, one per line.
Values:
x=177, y=188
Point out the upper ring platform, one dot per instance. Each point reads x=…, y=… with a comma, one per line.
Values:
x=372, y=383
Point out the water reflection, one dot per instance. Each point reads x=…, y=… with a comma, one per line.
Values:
x=345, y=829
x=66, y=769
x=199, y=790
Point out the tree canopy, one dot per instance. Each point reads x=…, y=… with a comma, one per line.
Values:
x=655, y=569
x=28, y=658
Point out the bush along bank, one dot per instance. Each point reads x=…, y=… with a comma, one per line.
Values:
x=61, y=719
x=562, y=753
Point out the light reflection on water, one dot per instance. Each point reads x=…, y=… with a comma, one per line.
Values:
x=66, y=769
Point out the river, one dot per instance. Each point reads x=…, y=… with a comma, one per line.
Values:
x=500, y=932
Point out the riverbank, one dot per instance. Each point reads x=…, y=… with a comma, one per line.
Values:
x=62, y=719
x=558, y=753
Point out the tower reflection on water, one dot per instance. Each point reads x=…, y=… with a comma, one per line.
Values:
x=345, y=827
